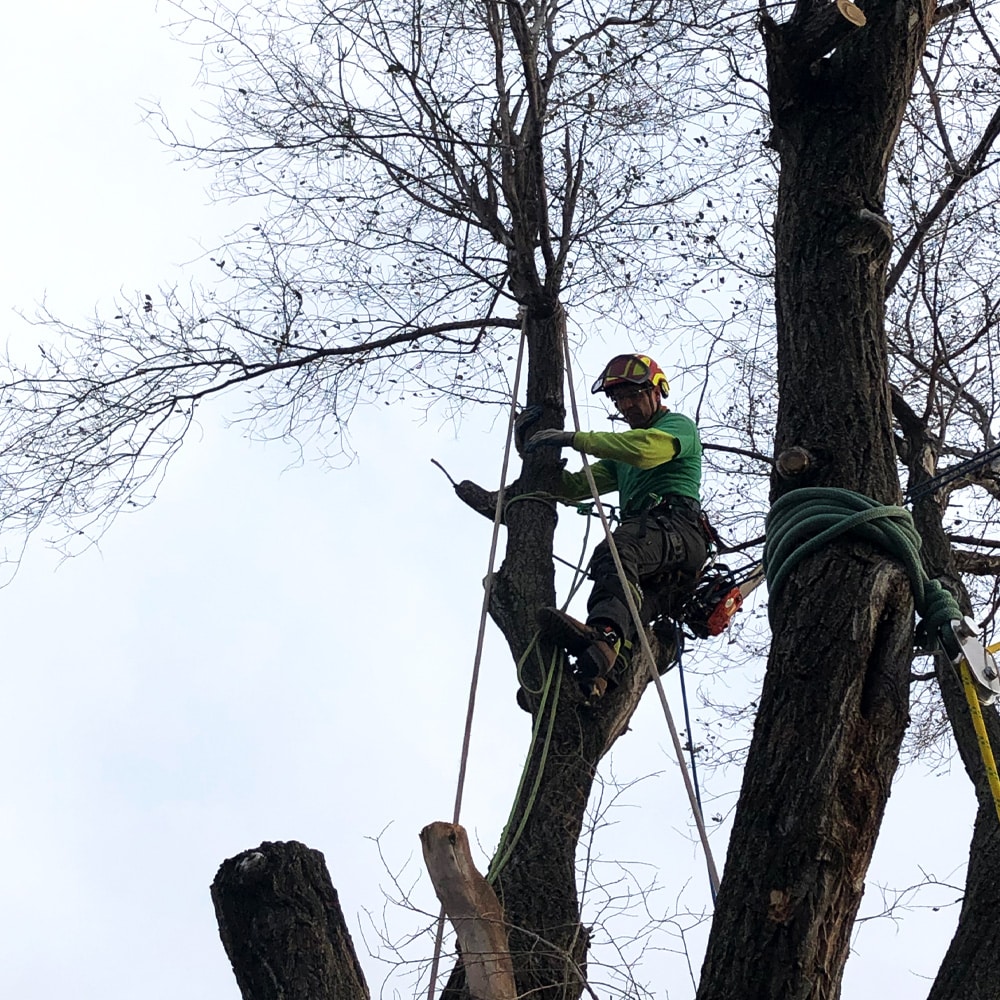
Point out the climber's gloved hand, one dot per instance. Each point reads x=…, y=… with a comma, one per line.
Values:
x=522, y=424
x=549, y=439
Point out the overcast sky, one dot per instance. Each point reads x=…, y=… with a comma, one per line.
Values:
x=276, y=652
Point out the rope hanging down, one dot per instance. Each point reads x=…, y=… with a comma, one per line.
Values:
x=477, y=661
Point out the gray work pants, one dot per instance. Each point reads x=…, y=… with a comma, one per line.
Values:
x=661, y=552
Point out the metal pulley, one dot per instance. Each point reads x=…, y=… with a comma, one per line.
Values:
x=982, y=666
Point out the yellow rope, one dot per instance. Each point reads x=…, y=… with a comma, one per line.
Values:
x=985, y=750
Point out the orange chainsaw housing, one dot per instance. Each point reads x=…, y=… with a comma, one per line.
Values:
x=719, y=619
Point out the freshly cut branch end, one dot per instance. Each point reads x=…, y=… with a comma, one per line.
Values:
x=794, y=461
x=852, y=12
x=474, y=910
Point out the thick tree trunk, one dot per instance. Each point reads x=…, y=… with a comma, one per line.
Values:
x=833, y=708
x=282, y=927
x=832, y=714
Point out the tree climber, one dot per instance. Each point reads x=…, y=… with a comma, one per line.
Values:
x=662, y=539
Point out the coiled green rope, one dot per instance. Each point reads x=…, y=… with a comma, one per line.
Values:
x=804, y=520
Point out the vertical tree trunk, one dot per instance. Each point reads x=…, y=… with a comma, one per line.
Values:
x=832, y=714
x=833, y=708
x=971, y=966
x=537, y=885
x=282, y=927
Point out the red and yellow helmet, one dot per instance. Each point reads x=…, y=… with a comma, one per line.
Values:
x=635, y=369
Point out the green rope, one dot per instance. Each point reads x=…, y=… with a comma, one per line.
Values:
x=803, y=521
x=551, y=684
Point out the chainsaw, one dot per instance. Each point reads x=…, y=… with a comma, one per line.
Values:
x=716, y=599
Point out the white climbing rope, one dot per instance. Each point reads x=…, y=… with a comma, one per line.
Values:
x=477, y=660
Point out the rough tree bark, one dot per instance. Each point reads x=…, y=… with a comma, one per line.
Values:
x=833, y=708
x=282, y=927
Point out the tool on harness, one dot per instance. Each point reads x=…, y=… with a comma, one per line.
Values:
x=589, y=510
x=655, y=504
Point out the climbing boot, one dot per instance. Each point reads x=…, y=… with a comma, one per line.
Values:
x=565, y=631
x=595, y=664
x=596, y=649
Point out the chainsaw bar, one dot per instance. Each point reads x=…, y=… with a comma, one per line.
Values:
x=753, y=581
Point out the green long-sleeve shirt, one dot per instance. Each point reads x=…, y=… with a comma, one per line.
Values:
x=654, y=461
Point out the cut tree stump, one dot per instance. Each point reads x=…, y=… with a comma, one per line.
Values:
x=282, y=927
x=473, y=909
